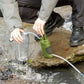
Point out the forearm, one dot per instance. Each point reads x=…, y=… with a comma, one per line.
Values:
x=10, y=12
x=46, y=9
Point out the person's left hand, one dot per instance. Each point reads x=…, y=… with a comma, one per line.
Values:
x=38, y=26
x=16, y=35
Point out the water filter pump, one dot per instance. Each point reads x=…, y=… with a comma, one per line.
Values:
x=46, y=47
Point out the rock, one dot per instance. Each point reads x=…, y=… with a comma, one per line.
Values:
x=59, y=42
x=60, y=45
x=6, y=74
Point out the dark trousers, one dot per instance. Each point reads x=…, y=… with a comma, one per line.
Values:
x=28, y=10
x=78, y=12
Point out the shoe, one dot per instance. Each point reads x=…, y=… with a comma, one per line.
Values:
x=77, y=37
x=55, y=20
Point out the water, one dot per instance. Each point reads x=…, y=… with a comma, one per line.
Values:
x=81, y=75
x=69, y=64
x=68, y=23
x=53, y=75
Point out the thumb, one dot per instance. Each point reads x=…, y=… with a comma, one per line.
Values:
x=21, y=30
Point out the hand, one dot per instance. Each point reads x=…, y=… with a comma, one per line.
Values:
x=38, y=26
x=15, y=34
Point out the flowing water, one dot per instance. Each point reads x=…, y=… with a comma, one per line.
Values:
x=52, y=75
x=49, y=75
x=55, y=75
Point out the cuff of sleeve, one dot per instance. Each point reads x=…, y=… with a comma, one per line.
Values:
x=14, y=27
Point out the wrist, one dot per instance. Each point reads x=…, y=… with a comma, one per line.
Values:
x=14, y=27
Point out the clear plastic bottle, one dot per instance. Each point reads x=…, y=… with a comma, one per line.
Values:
x=23, y=48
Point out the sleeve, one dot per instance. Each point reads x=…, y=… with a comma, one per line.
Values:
x=10, y=12
x=46, y=9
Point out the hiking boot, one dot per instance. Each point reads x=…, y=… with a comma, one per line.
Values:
x=55, y=20
x=77, y=37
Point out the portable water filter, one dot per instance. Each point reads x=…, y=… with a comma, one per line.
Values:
x=46, y=47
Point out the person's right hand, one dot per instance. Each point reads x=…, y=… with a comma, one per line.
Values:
x=39, y=26
x=15, y=34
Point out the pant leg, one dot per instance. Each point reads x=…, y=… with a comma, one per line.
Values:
x=63, y=3
x=30, y=3
x=78, y=12
x=1, y=14
x=28, y=9
x=28, y=15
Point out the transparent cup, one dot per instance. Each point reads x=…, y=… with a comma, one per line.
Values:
x=22, y=51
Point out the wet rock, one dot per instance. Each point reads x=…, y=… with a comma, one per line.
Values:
x=6, y=74
x=60, y=45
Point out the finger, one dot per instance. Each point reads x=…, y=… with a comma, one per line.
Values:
x=35, y=27
x=11, y=37
x=39, y=30
x=20, y=37
x=42, y=30
x=16, y=38
x=21, y=30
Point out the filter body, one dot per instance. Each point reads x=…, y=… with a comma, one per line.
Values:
x=46, y=47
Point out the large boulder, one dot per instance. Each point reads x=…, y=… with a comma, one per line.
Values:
x=59, y=41
x=60, y=44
